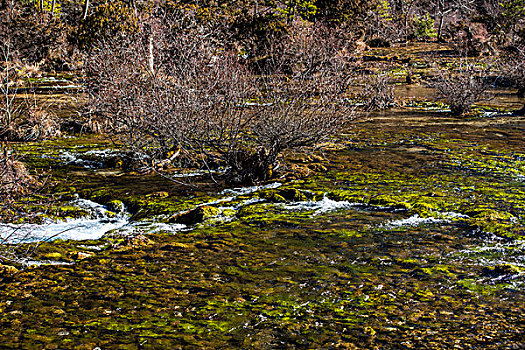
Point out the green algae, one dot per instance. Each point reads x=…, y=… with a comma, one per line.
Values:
x=196, y=215
x=274, y=278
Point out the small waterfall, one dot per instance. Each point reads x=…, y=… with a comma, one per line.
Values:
x=95, y=225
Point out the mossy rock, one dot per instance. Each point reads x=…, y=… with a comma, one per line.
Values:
x=489, y=214
x=66, y=193
x=389, y=201
x=283, y=195
x=493, y=221
x=252, y=210
x=273, y=196
x=196, y=215
x=143, y=207
x=72, y=212
x=101, y=195
x=346, y=195
x=426, y=205
x=53, y=256
x=228, y=212
x=7, y=271
x=110, y=214
x=293, y=194
x=115, y=206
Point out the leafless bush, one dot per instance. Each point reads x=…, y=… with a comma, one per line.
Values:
x=383, y=26
x=378, y=93
x=461, y=89
x=15, y=182
x=22, y=117
x=199, y=102
x=39, y=123
x=471, y=40
x=308, y=48
x=9, y=110
x=14, y=178
x=512, y=67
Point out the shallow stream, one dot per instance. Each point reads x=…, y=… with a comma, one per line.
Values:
x=408, y=233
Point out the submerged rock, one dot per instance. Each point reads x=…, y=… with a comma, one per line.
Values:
x=501, y=270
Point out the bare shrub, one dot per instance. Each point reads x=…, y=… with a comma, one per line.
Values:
x=9, y=109
x=378, y=93
x=471, y=40
x=15, y=182
x=308, y=48
x=512, y=67
x=462, y=88
x=287, y=116
x=14, y=178
x=22, y=117
x=201, y=103
x=39, y=124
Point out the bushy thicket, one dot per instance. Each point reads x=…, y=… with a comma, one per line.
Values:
x=173, y=92
x=253, y=27
x=461, y=88
x=512, y=66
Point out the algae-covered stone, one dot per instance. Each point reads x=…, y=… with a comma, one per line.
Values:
x=110, y=214
x=345, y=195
x=53, y=255
x=273, y=196
x=425, y=205
x=488, y=214
x=159, y=194
x=7, y=271
x=293, y=194
x=252, y=210
x=389, y=201
x=196, y=215
x=283, y=195
x=82, y=255
x=490, y=220
x=115, y=206
x=72, y=212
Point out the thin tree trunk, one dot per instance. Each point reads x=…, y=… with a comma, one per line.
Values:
x=85, y=10
x=53, y=3
x=151, y=61
x=440, y=27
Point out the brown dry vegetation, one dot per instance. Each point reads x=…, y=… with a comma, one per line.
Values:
x=187, y=98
